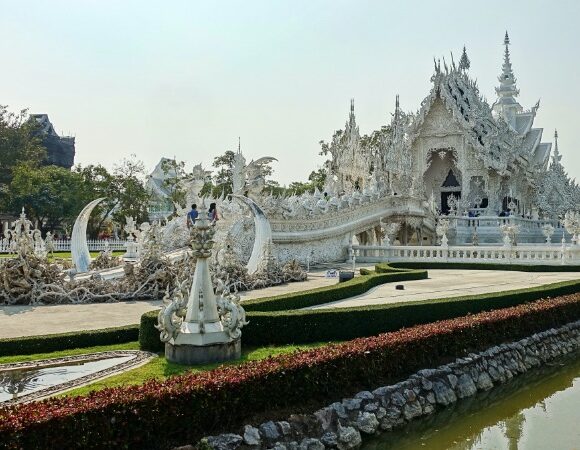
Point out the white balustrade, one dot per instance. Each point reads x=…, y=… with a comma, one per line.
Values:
x=519, y=254
x=63, y=245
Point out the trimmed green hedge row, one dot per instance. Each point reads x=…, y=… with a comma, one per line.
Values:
x=357, y=286
x=338, y=324
x=164, y=414
x=484, y=266
x=78, y=339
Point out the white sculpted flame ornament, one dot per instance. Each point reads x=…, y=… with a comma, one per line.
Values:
x=197, y=310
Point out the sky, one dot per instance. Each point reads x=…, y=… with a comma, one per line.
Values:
x=185, y=79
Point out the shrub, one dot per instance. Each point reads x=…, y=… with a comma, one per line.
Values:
x=339, y=324
x=29, y=345
x=179, y=410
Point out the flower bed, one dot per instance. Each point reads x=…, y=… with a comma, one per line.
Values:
x=160, y=414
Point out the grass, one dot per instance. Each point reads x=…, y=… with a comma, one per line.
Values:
x=158, y=368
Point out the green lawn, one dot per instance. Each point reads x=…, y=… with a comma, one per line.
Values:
x=158, y=368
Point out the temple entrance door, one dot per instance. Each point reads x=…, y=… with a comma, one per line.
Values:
x=450, y=186
x=445, y=200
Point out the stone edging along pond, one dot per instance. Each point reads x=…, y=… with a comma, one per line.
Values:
x=344, y=424
x=139, y=357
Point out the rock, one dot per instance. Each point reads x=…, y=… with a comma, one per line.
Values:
x=371, y=407
x=393, y=414
x=305, y=425
x=365, y=395
x=383, y=395
x=380, y=413
x=367, y=423
x=252, y=436
x=412, y=410
x=184, y=447
x=311, y=444
x=348, y=438
x=228, y=441
x=410, y=395
x=397, y=399
x=430, y=398
x=279, y=446
x=340, y=410
x=352, y=404
x=443, y=394
x=328, y=417
x=494, y=373
x=426, y=384
x=270, y=431
x=329, y=439
x=484, y=382
x=284, y=428
x=452, y=380
x=465, y=386
x=428, y=409
x=293, y=445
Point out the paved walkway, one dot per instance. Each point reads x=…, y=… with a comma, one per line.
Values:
x=18, y=321
x=453, y=283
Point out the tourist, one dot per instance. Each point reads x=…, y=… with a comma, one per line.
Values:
x=212, y=214
x=192, y=216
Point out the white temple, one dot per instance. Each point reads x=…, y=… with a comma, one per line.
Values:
x=457, y=156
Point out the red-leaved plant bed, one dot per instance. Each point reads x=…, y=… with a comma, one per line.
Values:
x=182, y=409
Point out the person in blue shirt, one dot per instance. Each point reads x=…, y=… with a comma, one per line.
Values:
x=192, y=216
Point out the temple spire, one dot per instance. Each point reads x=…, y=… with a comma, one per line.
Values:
x=506, y=104
x=351, y=117
x=239, y=145
x=556, y=157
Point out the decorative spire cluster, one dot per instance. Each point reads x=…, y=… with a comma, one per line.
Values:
x=506, y=105
x=464, y=63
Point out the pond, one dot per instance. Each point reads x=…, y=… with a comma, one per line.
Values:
x=539, y=410
x=29, y=381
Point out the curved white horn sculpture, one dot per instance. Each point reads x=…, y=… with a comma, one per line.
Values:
x=263, y=232
x=78, y=245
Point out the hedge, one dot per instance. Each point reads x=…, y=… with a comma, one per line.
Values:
x=182, y=409
x=339, y=324
x=29, y=345
x=484, y=266
x=319, y=296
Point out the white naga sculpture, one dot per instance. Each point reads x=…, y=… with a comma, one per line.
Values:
x=79, y=249
x=196, y=325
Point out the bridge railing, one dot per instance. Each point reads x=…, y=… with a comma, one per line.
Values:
x=520, y=254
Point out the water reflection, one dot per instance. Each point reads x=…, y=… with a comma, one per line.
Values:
x=15, y=383
x=539, y=410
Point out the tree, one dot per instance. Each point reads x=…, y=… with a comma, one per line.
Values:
x=317, y=179
x=123, y=189
x=223, y=179
x=18, y=145
x=51, y=195
x=175, y=175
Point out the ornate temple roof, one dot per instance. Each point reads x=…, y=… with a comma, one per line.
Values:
x=500, y=134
